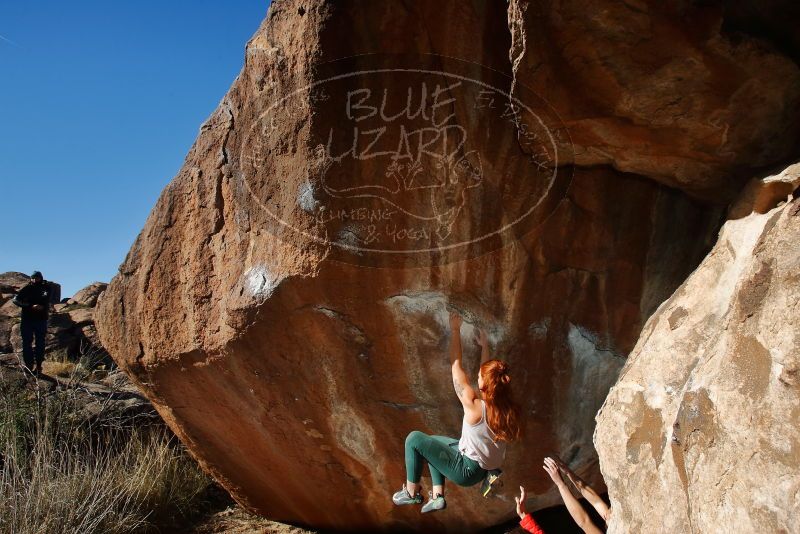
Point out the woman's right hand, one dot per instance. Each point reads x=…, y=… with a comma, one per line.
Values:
x=482, y=338
x=455, y=321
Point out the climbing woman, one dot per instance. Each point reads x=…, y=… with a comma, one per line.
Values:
x=491, y=420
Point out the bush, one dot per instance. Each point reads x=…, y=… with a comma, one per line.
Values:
x=63, y=472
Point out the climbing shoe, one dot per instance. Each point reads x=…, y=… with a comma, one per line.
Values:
x=491, y=482
x=402, y=497
x=434, y=504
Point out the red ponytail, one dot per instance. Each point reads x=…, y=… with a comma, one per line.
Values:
x=502, y=413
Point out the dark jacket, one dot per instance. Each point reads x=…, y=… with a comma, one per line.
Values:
x=34, y=294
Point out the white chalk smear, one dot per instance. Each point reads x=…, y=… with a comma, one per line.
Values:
x=593, y=370
x=260, y=282
x=305, y=197
x=435, y=304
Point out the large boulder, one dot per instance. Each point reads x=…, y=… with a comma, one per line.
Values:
x=285, y=305
x=702, y=431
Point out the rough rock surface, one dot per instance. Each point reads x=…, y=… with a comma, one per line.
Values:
x=89, y=294
x=676, y=91
x=702, y=431
x=10, y=283
x=284, y=307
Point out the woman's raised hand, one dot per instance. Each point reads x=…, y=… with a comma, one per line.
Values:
x=482, y=338
x=455, y=321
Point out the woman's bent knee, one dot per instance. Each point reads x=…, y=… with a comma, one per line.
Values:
x=414, y=437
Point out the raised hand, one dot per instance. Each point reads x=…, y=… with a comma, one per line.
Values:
x=585, y=489
x=560, y=463
x=455, y=321
x=552, y=469
x=481, y=338
x=521, y=512
x=565, y=470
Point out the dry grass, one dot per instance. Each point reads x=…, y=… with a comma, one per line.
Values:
x=60, y=369
x=63, y=472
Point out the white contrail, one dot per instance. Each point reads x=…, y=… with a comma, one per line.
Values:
x=9, y=41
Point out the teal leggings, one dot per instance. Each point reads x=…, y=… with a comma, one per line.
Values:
x=444, y=460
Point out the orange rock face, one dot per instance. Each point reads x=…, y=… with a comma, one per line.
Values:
x=674, y=91
x=377, y=163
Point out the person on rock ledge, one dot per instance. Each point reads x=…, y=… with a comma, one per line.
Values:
x=491, y=420
x=34, y=299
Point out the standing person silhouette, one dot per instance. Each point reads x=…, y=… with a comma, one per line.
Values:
x=34, y=299
x=491, y=420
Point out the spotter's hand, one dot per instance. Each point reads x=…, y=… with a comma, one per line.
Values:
x=521, y=512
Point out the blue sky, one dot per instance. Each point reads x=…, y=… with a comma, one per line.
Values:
x=99, y=104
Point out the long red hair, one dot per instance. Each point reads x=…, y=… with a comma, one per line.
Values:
x=502, y=413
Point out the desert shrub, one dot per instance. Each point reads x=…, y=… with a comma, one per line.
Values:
x=65, y=470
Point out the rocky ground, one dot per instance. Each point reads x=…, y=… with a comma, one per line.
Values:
x=234, y=520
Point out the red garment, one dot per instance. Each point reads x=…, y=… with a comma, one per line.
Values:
x=529, y=524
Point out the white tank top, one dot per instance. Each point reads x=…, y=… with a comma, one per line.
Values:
x=477, y=442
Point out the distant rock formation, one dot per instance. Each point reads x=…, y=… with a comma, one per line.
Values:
x=10, y=283
x=552, y=170
x=702, y=431
x=88, y=295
